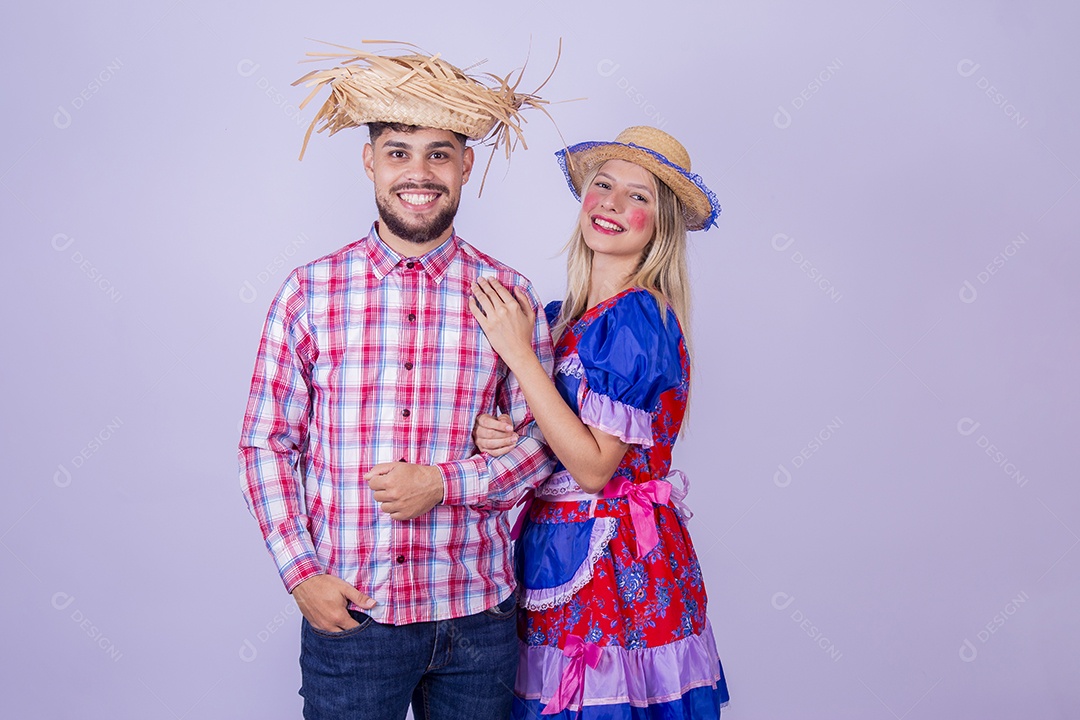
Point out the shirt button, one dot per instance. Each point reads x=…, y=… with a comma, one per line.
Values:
x=400, y=559
x=405, y=412
x=401, y=460
x=412, y=317
x=408, y=365
x=410, y=264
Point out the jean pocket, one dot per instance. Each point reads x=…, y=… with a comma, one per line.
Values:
x=364, y=619
x=506, y=609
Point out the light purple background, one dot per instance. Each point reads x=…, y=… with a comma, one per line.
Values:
x=890, y=292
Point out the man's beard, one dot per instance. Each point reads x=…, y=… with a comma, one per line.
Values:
x=423, y=234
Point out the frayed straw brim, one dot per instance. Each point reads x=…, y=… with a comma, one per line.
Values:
x=657, y=152
x=419, y=90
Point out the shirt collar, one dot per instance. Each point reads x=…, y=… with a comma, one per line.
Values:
x=434, y=263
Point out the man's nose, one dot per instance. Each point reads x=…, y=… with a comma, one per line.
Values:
x=419, y=169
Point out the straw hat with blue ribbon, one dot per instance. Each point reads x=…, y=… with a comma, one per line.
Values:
x=657, y=152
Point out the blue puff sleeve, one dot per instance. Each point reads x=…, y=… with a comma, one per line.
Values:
x=551, y=310
x=629, y=357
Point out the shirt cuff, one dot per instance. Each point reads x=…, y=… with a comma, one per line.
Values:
x=295, y=557
x=465, y=482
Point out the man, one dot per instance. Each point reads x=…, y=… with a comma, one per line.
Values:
x=356, y=451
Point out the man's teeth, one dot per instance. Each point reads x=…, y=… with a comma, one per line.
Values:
x=607, y=225
x=417, y=198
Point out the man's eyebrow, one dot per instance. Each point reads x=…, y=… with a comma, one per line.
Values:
x=433, y=145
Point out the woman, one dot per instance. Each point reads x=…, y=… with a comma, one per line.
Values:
x=613, y=622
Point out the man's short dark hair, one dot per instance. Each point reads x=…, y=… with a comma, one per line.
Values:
x=375, y=129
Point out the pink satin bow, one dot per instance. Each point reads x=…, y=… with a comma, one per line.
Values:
x=526, y=502
x=572, y=683
x=641, y=498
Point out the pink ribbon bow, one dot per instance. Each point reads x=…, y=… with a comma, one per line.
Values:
x=641, y=498
x=572, y=683
x=526, y=502
x=678, y=494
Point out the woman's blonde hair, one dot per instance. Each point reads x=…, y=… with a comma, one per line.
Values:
x=661, y=270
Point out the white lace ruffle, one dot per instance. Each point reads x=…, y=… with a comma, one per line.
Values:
x=562, y=483
x=570, y=365
x=546, y=598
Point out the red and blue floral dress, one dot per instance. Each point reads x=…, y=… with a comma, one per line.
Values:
x=613, y=623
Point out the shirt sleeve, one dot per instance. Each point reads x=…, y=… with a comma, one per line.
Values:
x=629, y=357
x=275, y=434
x=499, y=482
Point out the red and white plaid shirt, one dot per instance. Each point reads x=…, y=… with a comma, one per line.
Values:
x=368, y=357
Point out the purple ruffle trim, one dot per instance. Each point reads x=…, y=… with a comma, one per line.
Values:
x=630, y=424
x=638, y=677
x=544, y=598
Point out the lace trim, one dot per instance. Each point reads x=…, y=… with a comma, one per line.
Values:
x=571, y=365
x=545, y=599
x=561, y=483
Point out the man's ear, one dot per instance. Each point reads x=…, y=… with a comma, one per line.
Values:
x=467, y=158
x=369, y=161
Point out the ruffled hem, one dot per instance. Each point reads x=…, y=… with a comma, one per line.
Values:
x=630, y=424
x=635, y=678
x=546, y=598
x=704, y=703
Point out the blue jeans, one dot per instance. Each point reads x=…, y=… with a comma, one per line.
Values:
x=460, y=668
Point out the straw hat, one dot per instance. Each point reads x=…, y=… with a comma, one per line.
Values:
x=416, y=89
x=657, y=152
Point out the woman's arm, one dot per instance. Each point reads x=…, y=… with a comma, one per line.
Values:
x=590, y=455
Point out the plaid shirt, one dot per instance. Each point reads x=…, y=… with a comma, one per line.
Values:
x=368, y=357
